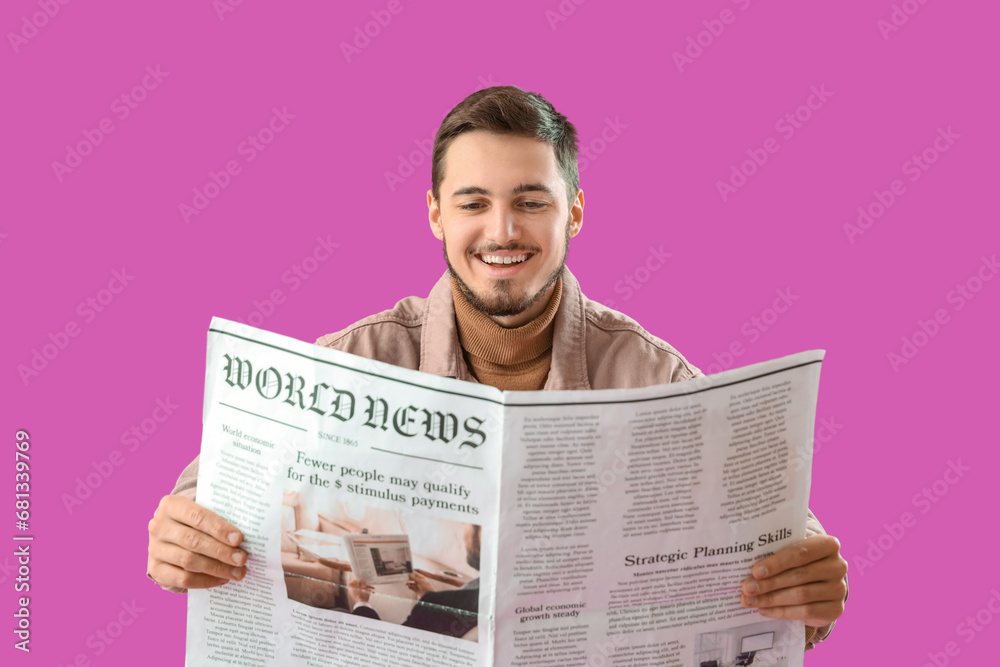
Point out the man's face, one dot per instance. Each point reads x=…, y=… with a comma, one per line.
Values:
x=472, y=545
x=505, y=222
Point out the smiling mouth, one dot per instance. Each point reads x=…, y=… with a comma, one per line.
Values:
x=502, y=260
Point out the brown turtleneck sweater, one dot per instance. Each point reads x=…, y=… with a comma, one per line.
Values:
x=515, y=359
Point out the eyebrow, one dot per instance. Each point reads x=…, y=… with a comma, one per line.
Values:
x=523, y=187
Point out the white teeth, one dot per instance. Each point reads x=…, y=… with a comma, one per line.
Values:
x=497, y=259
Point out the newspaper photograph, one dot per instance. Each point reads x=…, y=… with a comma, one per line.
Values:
x=380, y=559
x=397, y=517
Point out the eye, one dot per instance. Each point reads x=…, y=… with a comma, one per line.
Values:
x=534, y=204
x=469, y=207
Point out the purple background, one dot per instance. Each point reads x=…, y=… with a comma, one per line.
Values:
x=680, y=131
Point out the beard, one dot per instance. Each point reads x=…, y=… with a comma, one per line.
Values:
x=472, y=558
x=501, y=298
x=473, y=545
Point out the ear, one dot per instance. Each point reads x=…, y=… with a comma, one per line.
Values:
x=434, y=216
x=576, y=215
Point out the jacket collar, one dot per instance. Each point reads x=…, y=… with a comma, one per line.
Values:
x=441, y=352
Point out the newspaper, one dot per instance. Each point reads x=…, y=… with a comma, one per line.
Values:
x=380, y=559
x=394, y=517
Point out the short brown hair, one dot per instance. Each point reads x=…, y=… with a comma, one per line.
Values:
x=509, y=110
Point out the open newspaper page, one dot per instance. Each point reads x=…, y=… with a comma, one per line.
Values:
x=337, y=468
x=631, y=518
x=395, y=517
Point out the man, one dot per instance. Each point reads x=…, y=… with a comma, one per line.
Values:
x=451, y=612
x=505, y=202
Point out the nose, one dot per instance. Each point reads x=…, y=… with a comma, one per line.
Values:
x=501, y=225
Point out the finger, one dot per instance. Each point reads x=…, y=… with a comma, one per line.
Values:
x=186, y=511
x=166, y=574
x=831, y=568
x=827, y=591
x=805, y=551
x=818, y=614
x=172, y=532
x=198, y=563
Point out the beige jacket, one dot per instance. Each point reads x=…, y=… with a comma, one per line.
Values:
x=593, y=347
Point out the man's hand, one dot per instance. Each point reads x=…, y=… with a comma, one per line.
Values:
x=358, y=591
x=193, y=547
x=804, y=581
x=419, y=584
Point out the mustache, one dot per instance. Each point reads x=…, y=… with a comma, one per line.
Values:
x=510, y=247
